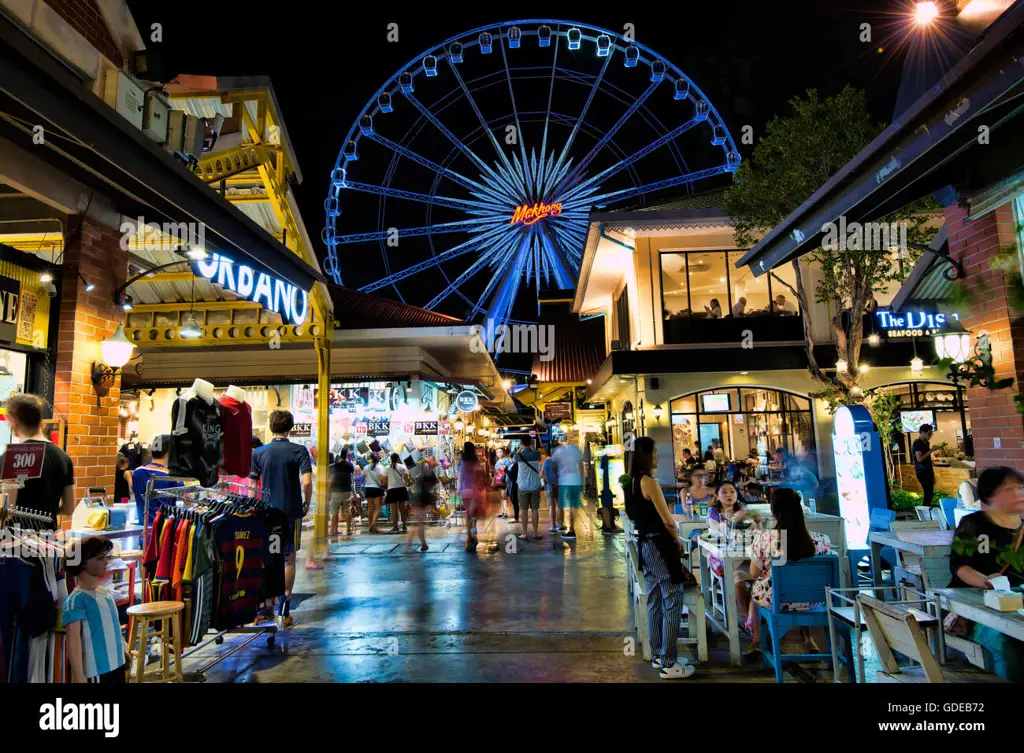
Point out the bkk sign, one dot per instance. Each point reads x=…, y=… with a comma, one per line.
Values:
x=528, y=215
x=910, y=323
x=273, y=293
x=467, y=401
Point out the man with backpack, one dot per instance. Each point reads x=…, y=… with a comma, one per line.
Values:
x=528, y=481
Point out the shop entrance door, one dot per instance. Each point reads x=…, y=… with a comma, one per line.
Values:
x=707, y=432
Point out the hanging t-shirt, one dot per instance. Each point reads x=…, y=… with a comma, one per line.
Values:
x=236, y=422
x=196, y=438
x=140, y=482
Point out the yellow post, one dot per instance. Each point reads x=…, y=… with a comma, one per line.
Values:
x=322, y=344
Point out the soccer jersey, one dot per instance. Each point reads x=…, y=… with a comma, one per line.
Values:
x=196, y=441
x=102, y=650
x=241, y=544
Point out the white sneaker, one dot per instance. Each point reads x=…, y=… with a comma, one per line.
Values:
x=656, y=662
x=552, y=529
x=677, y=671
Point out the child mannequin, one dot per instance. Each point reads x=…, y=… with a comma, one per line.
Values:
x=95, y=648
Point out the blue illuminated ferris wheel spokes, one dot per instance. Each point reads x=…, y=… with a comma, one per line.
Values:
x=545, y=171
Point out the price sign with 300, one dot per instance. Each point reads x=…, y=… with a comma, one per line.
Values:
x=23, y=460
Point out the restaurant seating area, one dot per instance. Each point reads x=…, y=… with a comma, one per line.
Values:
x=867, y=622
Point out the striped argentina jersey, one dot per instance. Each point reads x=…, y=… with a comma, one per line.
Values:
x=102, y=649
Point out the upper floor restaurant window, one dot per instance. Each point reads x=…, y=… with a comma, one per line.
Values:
x=705, y=297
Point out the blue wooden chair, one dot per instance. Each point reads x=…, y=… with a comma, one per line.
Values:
x=794, y=582
x=881, y=520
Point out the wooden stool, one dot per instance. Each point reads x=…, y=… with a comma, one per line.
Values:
x=141, y=617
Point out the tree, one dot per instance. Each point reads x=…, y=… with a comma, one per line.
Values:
x=799, y=154
x=885, y=410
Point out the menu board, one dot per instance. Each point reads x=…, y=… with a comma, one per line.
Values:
x=555, y=412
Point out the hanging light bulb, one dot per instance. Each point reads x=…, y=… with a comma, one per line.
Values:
x=863, y=367
x=874, y=339
x=841, y=366
x=459, y=425
x=916, y=366
x=190, y=329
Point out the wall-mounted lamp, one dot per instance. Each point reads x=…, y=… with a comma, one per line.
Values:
x=658, y=412
x=116, y=351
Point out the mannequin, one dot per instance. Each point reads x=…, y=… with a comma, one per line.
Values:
x=203, y=389
x=196, y=434
x=235, y=392
x=236, y=424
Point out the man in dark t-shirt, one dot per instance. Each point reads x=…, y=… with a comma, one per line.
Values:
x=922, y=451
x=53, y=492
x=286, y=470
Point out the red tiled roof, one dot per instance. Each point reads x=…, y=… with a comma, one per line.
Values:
x=356, y=310
x=578, y=351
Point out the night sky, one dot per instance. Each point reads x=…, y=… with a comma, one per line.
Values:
x=327, y=60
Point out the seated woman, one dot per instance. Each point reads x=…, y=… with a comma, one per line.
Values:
x=983, y=548
x=714, y=311
x=789, y=539
x=727, y=510
x=699, y=491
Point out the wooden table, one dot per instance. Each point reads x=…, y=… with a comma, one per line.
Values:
x=931, y=546
x=729, y=555
x=970, y=603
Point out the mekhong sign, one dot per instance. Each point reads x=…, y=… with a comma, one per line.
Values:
x=273, y=293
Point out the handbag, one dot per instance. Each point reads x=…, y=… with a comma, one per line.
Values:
x=958, y=625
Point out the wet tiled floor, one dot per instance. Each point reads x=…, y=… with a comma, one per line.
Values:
x=554, y=610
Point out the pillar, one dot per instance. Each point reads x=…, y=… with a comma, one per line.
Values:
x=86, y=319
x=322, y=344
x=976, y=243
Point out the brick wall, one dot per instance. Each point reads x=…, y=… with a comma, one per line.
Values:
x=86, y=319
x=84, y=16
x=993, y=415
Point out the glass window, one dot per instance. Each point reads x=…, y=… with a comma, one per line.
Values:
x=759, y=401
x=708, y=284
x=783, y=300
x=673, y=286
x=686, y=404
x=749, y=293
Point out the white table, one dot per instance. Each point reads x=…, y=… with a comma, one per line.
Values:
x=931, y=546
x=729, y=555
x=970, y=603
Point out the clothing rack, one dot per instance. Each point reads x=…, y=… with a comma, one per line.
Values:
x=152, y=494
x=190, y=495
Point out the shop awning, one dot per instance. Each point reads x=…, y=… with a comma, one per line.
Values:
x=930, y=282
x=91, y=142
x=934, y=143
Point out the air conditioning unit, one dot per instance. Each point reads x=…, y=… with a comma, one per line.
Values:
x=184, y=133
x=154, y=117
x=124, y=95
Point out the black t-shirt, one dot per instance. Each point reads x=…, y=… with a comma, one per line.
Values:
x=341, y=476
x=920, y=445
x=44, y=494
x=982, y=554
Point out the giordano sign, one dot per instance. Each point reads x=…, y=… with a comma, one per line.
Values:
x=273, y=293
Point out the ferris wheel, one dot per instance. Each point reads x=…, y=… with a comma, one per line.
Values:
x=474, y=168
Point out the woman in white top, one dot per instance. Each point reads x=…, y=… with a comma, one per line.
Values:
x=398, y=495
x=372, y=479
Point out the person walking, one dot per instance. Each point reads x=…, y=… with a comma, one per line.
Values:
x=512, y=485
x=528, y=480
x=550, y=471
x=341, y=492
x=923, y=469
x=472, y=491
x=423, y=496
x=659, y=553
x=501, y=467
x=373, y=488
x=569, y=460
x=286, y=471
x=122, y=480
x=397, y=498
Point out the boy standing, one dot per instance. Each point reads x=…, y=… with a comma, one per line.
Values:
x=95, y=648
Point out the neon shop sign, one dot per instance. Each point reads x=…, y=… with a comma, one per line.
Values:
x=273, y=293
x=527, y=215
x=911, y=323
